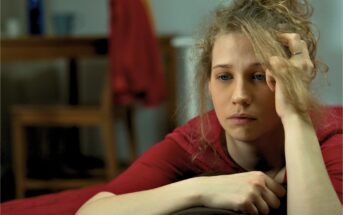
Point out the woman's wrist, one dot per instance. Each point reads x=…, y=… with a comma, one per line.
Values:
x=187, y=192
x=196, y=190
x=195, y=186
x=293, y=118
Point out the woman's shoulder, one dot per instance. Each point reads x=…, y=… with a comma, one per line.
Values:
x=206, y=124
x=197, y=129
x=200, y=137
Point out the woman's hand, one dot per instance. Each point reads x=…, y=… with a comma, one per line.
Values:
x=251, y=192
x=299, y=60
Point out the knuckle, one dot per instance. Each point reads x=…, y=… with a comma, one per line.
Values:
x=295, y=36
x=257, y=186
x=310, y=64
x=307, y=65
x=251, y=196
x=274, y=59
x=277, y=62
x=257, y=180
x=244, y=203
x=258, y=174
x=303, y=43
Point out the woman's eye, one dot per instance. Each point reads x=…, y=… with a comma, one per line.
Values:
x=223, y=77
x=259, y=77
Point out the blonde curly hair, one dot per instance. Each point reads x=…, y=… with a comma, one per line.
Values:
x=261, y=21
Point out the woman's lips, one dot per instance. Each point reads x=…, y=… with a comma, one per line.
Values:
x=241, y=119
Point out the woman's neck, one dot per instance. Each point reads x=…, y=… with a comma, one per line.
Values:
x=264, y=154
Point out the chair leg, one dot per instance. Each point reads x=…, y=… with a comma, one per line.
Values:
x=131, y=133
x=111, y=161
x=19, y=156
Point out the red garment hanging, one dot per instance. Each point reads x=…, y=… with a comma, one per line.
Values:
x=135, y=62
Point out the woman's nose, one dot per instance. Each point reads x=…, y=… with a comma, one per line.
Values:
x=241, y=94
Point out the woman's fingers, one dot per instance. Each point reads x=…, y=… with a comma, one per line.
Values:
x=261, y=205
x=250, y=208
x=300, y=57
x=263, y=198
x=253, y=192
x=269, y=196
x=278, y=63
x=266, y=193
x=271, y=199
x=296, y=45
x=270, y=80
x=275, y=187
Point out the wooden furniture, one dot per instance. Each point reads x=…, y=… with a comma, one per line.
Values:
x=74, y=115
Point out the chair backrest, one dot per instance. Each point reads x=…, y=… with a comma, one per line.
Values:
x=106, y=98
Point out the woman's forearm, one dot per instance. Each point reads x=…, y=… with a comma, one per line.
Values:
x=309, y=187
x=162, y=200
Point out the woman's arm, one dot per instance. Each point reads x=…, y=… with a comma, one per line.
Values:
x=310, y=190
x=162, y=200
x=252, y=192
x=165, y=163
x=155, y=168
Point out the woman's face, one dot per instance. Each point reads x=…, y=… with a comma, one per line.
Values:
x=244, y=104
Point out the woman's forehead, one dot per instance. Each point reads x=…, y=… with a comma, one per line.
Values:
x=231, y=46
x=228, y=45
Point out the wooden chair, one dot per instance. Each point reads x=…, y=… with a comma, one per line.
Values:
x=102, y=116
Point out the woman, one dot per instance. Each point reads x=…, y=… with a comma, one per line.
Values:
x=257, y=59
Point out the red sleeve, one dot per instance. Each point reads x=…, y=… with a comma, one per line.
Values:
x=164, y=163
x=66, y=202
x=332, y=155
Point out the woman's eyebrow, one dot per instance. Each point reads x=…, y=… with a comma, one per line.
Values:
x=257, y=64
x=226, y=66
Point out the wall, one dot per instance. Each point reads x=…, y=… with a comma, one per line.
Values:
x=91, y=16
x=329, y=19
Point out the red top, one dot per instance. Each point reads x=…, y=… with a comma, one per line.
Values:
x=172, y=160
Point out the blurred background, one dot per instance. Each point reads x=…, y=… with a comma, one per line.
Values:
x=43, y=81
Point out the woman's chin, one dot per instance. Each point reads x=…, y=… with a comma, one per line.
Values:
x=243, y=136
